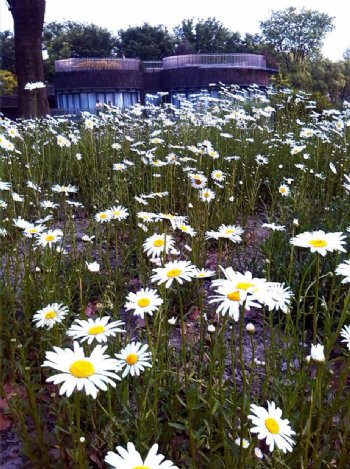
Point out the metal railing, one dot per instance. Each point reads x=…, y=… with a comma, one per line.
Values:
x=152, y=64
x=215, y=60
x=87, y=63
x=177, y=61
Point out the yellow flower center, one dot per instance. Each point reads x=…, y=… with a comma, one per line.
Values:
x=318, y=243
x=141, y=467
x=245, y=285
x=230, y=231
x=158, y=243
x=117, y=213
x=132, y=358
x=50, y=314
x=33, y=230
x=206, y=194
x=94, y=330
x=82, y=369
x=183, y=228
x=50, y=238
x=283, y=190
x=143, y=302
x=234, y=296
x=103, y=216
x=174, y=273
x=272, y=425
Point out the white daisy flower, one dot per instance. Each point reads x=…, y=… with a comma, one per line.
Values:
x=344, y=269
x=277, y=296
x=345, y=332
x=319, y=241
x=119, y=167
x=134, y=358
x=284, y=190
x=5, y=186
x=48, y=238
x=118, y=213
x=230, y=301
x=198, y=181
x=77, y=371
x=31, y=230
x=50, y=315
x=204, y=273
x=103, y=217
x=269, y=425
x=231, y=232
x=131, y=459
x=218, y=175
x=274, y=227
x=21, y=223
x=143, y=301
x=175, y=270
x=156, y=245
x=47, y=204
x=186, y=229
x=206, y=195
x=64, y=189
x=94, y=329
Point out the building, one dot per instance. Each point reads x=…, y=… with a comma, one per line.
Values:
x=81, y=83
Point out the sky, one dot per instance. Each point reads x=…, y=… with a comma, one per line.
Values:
x=242, y=16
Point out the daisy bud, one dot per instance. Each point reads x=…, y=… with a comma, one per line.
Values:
x=295, y=222
x=172, y=321
x=317, y=353
x=258, y=453
x=211, y=328
x=245, y=442
x=93, y=266
x=250, y=328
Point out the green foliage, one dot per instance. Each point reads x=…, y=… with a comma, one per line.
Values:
x=296, y=35
x=7, y=51
x=8, y=82
x=206, y=35
x=71, y=39
x=145, y=42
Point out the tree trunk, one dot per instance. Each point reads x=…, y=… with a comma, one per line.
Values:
x=28, y=18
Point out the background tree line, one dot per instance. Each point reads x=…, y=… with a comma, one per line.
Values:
x=290, y=39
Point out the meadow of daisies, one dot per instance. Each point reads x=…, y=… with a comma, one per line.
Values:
x=175, y=285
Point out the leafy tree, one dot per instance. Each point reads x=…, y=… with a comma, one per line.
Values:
x=8, y=82
x=7, y=51
x=28, y=19
x=205, y=36
x=296, y=35
x=71, y=39
x=145, y=42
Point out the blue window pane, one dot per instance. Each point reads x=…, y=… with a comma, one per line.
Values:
x=118, y=100
x=76, y=101
x=84, y=102
x=70, y=101
x=64, y=101
x=100, y=97
x=109, y=99
x=127, y=99
x=92, y=101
